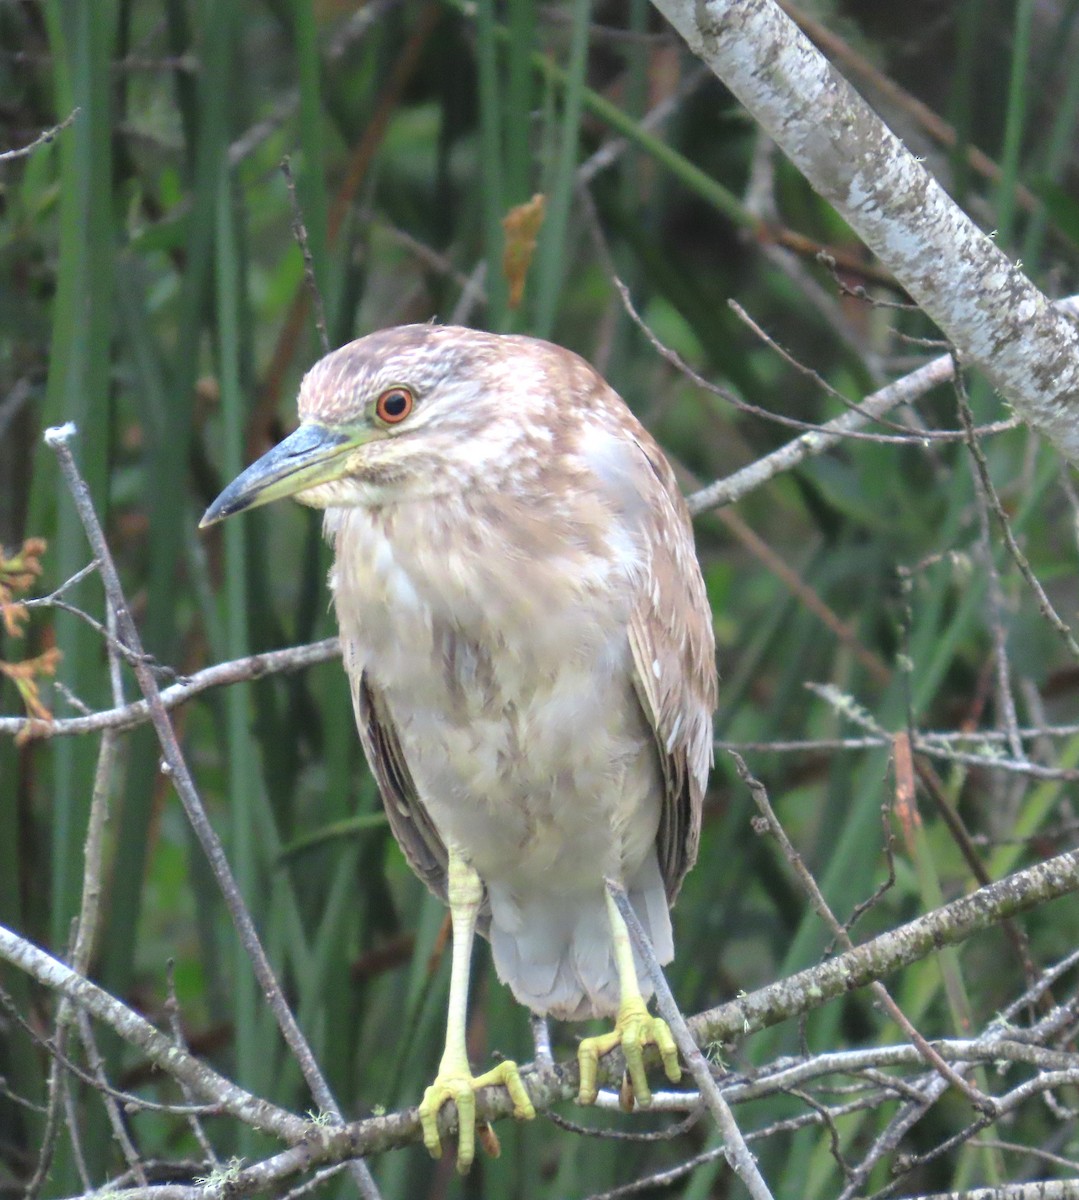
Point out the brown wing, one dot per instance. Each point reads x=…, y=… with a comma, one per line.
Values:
x=409, y=821
x=673, y=645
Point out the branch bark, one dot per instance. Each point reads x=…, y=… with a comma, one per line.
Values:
x=202, y=1080
x=875, y=959
x=57, y=440
x=996, y=318
x=791, y=997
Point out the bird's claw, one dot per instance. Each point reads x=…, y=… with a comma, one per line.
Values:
x=634, y=1029
x=461, y=1088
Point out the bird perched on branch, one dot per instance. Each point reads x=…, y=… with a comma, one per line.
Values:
x=530, y=648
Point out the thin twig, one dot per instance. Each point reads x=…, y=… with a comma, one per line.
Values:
x=815, y=438
x=172, y=1009
x=760, y=202
x=1005, y=699
x=40, y=140
x=738, y=1154
x=1020, y=559
x=14, y=402
x=72, y=1121
x=819, y=381
x=129, y=716
x=203, y=1080
x=933, y=1086
x=57, y=440
x=299, y=229
x=116, y=1120
x=623, y=1135
x=86, y=924
x=81, y=615
x=821, y=438
x=980, y=1101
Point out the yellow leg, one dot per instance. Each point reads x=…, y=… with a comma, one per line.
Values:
x=455, y=1080
x=634, y=1028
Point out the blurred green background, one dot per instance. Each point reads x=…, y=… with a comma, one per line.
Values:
x=152, y=291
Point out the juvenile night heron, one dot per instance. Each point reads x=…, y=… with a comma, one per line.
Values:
x=530, y=648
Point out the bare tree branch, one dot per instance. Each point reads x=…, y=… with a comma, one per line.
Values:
x=42, y=138
x=739, y=1155
x=991, y=312
x=57, y=439
x=129, y=716
x=1061, y=1189
x=817, y=441
x=202, y=1080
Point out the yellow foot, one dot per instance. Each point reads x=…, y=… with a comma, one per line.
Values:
x=461, y=1088
x=634, y=1029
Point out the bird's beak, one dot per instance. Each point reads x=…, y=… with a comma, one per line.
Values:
x=305, y=458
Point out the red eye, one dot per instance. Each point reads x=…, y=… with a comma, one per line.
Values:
x=394, y=405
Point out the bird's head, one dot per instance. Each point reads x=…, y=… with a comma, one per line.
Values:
x=416, y=410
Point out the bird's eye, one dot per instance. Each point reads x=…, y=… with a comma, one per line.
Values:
x=394, y=405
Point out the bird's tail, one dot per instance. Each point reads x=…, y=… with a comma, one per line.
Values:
x=556, y=953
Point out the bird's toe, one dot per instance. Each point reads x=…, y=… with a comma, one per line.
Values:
x=635, y=1029
x=589, y=1052
x=461, y=1088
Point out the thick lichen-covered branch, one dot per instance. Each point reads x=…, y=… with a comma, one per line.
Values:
x=803, y=992
x=989, y=309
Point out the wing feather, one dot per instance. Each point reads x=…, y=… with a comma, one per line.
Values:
x=409, y=821
x=673, y=648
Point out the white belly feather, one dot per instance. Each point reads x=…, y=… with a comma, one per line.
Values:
x=515, y=710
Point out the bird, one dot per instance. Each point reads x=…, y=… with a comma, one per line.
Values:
x=529, y=643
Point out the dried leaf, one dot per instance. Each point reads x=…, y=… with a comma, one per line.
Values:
x=17, y=574
x=906, y=806
x=522, y=226
x=14, y=617
x=488, y=1140
x=25, y=675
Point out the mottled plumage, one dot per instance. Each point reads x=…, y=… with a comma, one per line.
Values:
x=527, y=634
